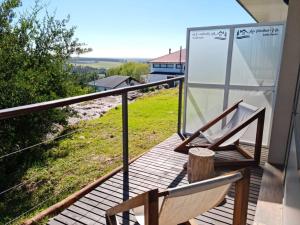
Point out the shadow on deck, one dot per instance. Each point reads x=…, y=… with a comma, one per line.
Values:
x=161, y=168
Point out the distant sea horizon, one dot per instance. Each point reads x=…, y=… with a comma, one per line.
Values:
x=88, y=60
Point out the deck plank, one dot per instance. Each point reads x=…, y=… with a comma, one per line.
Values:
x=161, y=168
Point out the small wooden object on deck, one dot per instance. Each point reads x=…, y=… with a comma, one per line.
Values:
x=200, y=164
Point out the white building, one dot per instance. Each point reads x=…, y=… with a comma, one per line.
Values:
x=167, y=66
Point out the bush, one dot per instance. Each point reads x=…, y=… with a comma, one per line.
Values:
x=34, y=68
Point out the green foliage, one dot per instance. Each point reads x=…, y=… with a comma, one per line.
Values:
x=132, y=69
x=33, y=68
x=83, y=78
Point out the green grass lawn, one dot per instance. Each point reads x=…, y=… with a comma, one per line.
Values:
x=93, y=151
x=101, y=64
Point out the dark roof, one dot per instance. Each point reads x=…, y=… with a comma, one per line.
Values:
x=171, y=58
x=109, y=82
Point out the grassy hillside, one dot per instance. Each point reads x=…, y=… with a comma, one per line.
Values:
x=93, y=151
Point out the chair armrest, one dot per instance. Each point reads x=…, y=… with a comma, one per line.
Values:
x=129, y=204
x=148, y=199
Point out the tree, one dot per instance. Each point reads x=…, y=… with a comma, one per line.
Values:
x=34, y=68
x=132, y=69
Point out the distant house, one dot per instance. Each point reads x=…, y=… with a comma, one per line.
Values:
x=167, y=66
x=113, y=82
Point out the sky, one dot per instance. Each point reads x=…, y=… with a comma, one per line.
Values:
x=140, y=28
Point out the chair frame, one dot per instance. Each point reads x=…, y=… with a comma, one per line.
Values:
x=151, y=204
x=249, y=160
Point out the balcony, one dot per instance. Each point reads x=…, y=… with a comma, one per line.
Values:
x=160, y=167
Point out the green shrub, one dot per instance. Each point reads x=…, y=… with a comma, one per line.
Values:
x=34, y=68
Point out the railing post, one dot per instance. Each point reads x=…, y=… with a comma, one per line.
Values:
x=125, y=130
x=179, y=106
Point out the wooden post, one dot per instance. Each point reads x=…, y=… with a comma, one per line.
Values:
x=200, y=164
x=241, y=199
x=151, y=208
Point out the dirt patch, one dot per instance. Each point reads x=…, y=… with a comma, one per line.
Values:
x=98, y=107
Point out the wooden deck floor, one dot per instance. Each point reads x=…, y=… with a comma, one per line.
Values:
x=160, y=168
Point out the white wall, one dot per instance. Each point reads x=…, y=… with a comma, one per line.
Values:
x=286, y=85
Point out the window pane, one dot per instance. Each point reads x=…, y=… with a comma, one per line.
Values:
x=256, y=55
x=258, y=99
x=178, y=66
x=202, y=106
x=208, y=50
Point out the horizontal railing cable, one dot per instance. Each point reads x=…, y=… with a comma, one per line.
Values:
x=38, y=144
x=36, y=206
x=18, y=186
x=27, y=181
x=47, y=199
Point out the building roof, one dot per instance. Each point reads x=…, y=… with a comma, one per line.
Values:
x=266, y=10
x=109, y=82
x=171, y=58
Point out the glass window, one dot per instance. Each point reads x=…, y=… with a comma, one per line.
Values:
x=178, y=66
x=170, y=65
x=252, y=74
x=203, y=105
x=156, y=65
x=208, y=50
x=256, y=55
x=163, y=65
x=258, y=99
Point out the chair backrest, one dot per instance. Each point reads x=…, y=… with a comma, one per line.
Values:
x=242, y=113
x=186, y=202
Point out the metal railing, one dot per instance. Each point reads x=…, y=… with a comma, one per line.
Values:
x=27, y=109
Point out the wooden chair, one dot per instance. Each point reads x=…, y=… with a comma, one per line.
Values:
x=228, y=137
x=181, y=204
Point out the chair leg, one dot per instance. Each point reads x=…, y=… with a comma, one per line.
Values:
x=259, y=137
x=241, y=199
x=151, y=208
x=111, y=220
